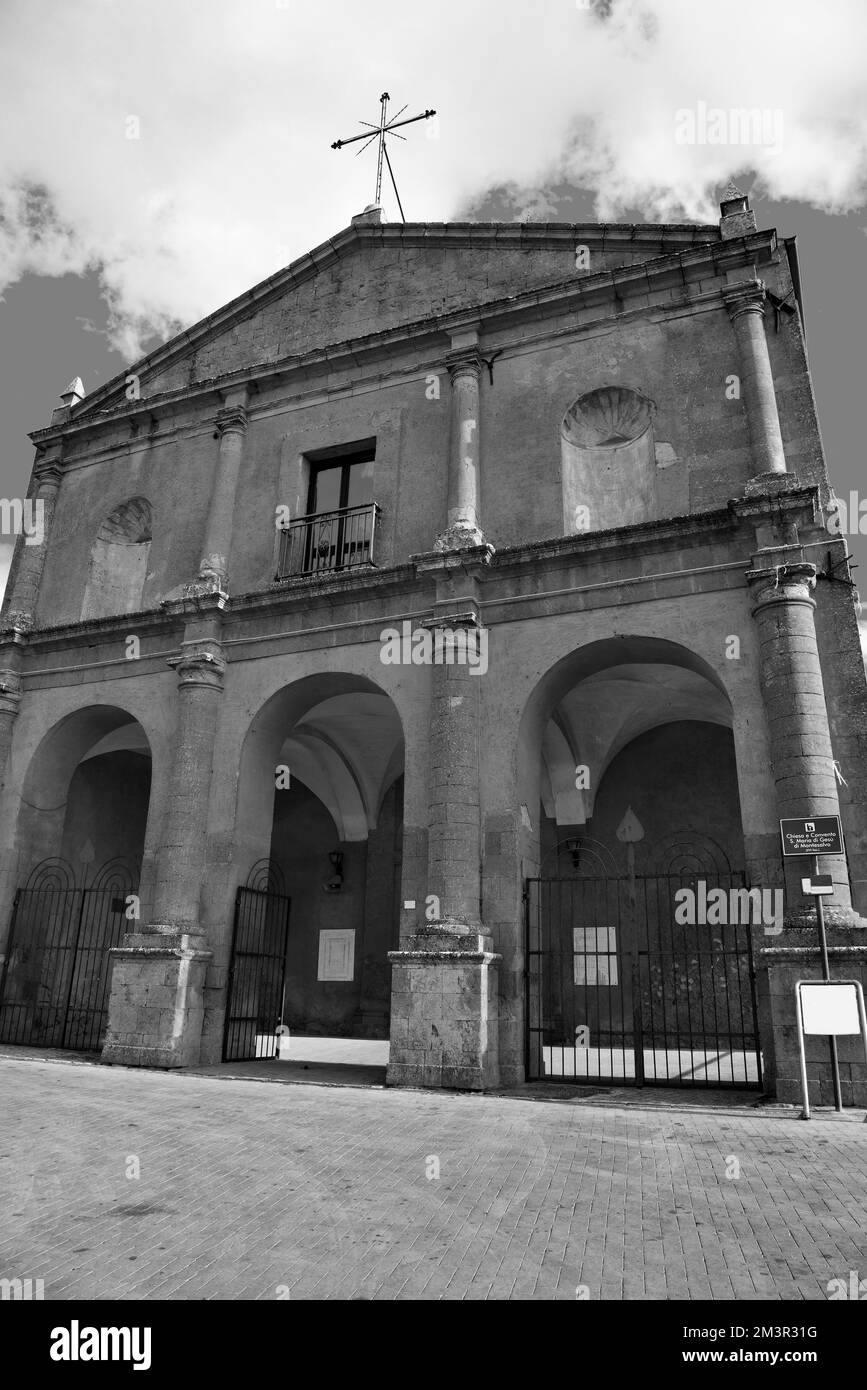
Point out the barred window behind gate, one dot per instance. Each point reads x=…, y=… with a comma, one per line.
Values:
x=595, y=955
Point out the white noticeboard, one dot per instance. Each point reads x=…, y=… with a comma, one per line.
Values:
x=336, y=954
x=828, y=1007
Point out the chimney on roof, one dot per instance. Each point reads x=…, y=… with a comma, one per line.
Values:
x=73, y=393
x=372, y=216
x=70, y=397
x=738, y=218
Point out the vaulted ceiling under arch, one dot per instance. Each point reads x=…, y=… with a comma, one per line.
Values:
x=347, y=750
x=598, y=717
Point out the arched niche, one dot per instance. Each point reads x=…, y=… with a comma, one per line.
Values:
x=119, y=561
x=608, y=460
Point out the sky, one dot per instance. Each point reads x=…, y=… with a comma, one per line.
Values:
x=159, y=158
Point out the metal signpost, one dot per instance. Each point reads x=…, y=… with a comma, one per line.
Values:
x=810, y=837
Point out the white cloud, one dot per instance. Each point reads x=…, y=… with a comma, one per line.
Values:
x=239, y=101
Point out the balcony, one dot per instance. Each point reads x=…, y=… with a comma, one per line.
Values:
x=329, y=542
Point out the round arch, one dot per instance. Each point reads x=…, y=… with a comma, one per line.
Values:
x=89, y=735
x=333, y=832
x=347, y=735
x=623, y=653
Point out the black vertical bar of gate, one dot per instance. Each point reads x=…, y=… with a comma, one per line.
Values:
x=256, y=975
x=534, y=1067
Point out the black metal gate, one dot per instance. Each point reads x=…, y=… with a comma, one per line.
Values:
x=57, y=973
x=256, y=975
x=618, y=991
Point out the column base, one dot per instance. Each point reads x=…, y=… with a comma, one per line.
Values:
x=444, y=1014
x=156, y=1008
x=768, y=484
x=461, y=535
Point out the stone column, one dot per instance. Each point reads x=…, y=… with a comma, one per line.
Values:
x=231, y=426
x=454, y=837
x=19, y=606
x=794, y=696
x=462, y=518
x=745, y=302
x=156, y=1009
x=444, y=1016
x=11, y=661
x=29, y=562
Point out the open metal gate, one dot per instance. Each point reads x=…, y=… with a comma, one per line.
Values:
x=56, y=976
x=256, y=975
x=619, y=992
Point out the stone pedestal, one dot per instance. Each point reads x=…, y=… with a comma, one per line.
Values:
x=444, y=1023
x=778, y=968
x=157, y=1006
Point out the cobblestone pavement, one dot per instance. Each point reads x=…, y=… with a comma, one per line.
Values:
x=254, y=1191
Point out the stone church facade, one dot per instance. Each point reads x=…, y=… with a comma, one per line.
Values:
x=405, y=634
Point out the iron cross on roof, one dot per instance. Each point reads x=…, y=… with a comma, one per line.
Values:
x=380, y=132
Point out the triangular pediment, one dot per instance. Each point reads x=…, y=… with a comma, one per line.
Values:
x=375, y=279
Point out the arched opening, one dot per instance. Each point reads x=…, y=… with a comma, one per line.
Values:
x=80, y=840
x=321, y=801
x=628, y=774
x=119, y=561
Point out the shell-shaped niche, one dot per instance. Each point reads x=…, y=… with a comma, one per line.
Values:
x=607, y=418
x=608, y=463
x=128, y=524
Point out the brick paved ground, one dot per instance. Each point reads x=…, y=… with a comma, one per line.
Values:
x=245, y=1188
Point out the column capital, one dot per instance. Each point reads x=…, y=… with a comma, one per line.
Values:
x=747, y=297
x=231, y=419
x=47, y=474
x=465, y=361
x=784, y=583
x=202, y=664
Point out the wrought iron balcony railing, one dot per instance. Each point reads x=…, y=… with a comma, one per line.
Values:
x=328, y=542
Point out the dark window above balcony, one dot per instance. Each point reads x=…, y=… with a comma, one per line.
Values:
x=340, y=482
x=339, y=529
